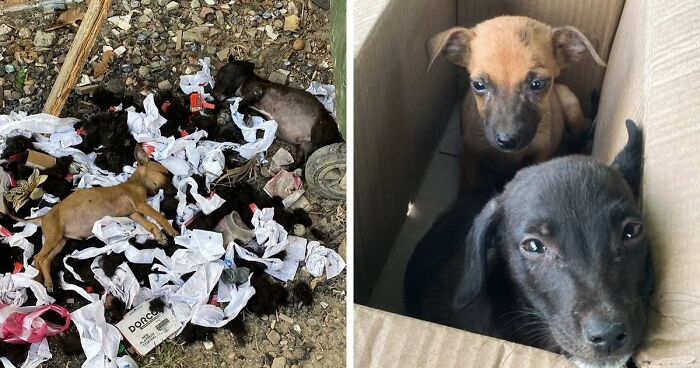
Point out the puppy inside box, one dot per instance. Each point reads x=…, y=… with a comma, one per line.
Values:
x=106, y=133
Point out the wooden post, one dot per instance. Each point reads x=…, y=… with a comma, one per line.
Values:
x=93, y=20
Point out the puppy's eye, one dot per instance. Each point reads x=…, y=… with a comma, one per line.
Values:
x=533, y=246
x=478, y=86
x=538, y=84
x=632, y=230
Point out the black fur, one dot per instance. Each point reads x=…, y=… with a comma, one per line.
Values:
x=111, y=262
x=269, y=295
x=563, y=241
x=303, y=292
x=16, y=144
x=157, y=305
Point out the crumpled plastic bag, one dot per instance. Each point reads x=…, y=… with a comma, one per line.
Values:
x=20, y=325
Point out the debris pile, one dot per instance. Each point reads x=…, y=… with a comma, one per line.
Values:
x=234, y=251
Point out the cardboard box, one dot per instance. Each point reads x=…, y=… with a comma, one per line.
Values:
x=653, y=76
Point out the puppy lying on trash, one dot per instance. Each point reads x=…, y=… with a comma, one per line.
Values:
x=74, y=217
x=559, y=260
x=302, y=120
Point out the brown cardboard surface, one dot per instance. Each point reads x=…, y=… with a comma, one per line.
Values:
x=401, y=111
x=654, y=77
x=386, y=340
x=595, y=18
x=437, y=192
x=40, y=160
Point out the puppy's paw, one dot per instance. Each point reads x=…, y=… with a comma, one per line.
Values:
x=172, y=231
x=49, y=286
x=160, y=238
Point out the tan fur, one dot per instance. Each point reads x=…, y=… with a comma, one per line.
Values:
x=74, y=217
x=505, y=49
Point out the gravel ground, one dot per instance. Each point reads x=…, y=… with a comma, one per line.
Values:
x=154, y=42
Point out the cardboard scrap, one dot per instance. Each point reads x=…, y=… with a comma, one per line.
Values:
x=144, y=329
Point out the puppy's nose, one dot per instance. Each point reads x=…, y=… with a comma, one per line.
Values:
x=605, y=336
x=506, y=141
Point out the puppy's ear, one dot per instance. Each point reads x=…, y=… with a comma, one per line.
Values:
x=141, y=155
x=482, y=233
x=629, y=160
x=453, y=44
x=569, y=44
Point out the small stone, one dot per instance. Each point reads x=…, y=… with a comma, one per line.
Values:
x=141, y=38
x=178, y=40
x=296, y=328
x=223, y=54
x=298, y=44
x=115, y=86
x=194, y=4
x=16, y=95
x=44, y=39
x=324, y=305
x=208, y=344
x=279, y=76
x=24, y=32
x=291, y=23
x=126, y=68
x=172, y=6
x=278, y=5
x=276, y=13
x=28, y=90
x=134, y=4
x=274, y=337
x=285, y=318
x=165, y=85
x=319, y=357
x=210, y=2
x=123, y=22
x=5, y=29
x=267, y=15
x=299, y=230
x=311, y=322
x=269, y=30
x=196, y=34
x=143, y=71
x=136, y=60
x=119, y=50
x=9, y=68
x=279, y=362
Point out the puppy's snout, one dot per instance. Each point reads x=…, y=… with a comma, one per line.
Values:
x=507, y=141
x=605, y=335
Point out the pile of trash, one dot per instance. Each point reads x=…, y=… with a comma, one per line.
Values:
x=234, y=250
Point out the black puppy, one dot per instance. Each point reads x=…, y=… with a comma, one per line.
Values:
x=559, y=260
x=302, y=120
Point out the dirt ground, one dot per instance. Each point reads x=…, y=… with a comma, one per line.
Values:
x=162, y=40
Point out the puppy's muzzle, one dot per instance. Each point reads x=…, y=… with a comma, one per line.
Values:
x=507, y=142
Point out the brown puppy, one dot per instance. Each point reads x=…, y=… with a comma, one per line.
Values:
x=74, y=217
x=520, y=113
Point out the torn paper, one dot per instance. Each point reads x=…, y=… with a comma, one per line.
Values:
x=320, y=258
x=324, y=93
x=195, y=83
x=99, y=339
x=145, y=126
x=19, y=123
x=254, y=145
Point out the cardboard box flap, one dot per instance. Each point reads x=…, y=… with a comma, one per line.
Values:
x=387, y=340
x=654, y=78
